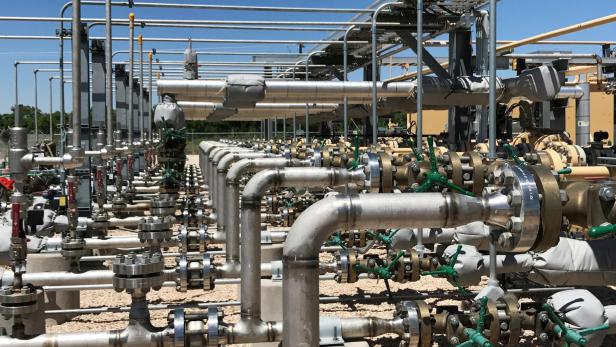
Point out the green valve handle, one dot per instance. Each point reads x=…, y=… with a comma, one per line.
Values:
x=416, y=150
x=386, y=271
x=448, y=270
x=336, y=240
x=355, y=162
x=475, y=336
x=564, y=171
x=601, y=230
x=386, y=239
x=513, y=154
x=434, y=178
x=570, y=335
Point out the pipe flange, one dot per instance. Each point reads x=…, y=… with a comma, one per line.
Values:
x=213, y=326
x=179, y=328
x=387, y=175
x=183, y=239
x=182, y=270
x=138, y=271
x=454, y=168
x=163, y=206
x=208, y=271
x=343, y=266
x=409, y=312
x=515, y=205
x=476, y=162
x=19, y=302
x=551, y=208
x=372, y=169
x=514, y=326
x=317, y=158
x=72, y=247
x=202, y=239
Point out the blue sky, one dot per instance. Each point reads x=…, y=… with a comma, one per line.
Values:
x=515, y=21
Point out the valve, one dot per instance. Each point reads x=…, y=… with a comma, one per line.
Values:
x=569, y=335
x=336, y=240
x=416, y=151
x=385, y=239
x=448, y=271
x=434, y=178
x=601, y=230
x=475, y=335
x=513, y=154
x=355, y=162
x=385, y=271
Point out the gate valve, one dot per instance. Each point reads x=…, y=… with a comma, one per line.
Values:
x=434, y=178
x=336, y=240
x=385, y=238
x=416, y=151
x=355, y=163
x=448, y=271
x=513, y=154
x=475, y=336
x=385, y=271
x=601, y=230
x=570, y=335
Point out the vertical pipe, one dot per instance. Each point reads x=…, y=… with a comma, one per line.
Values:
x=16, y=112
x=61, y=68
x=307, y=110
x=141, y=116
x=131, y=59
x=35, y=106
x=108, y=72
x=150, y=112
x=50, y=109
x=345, y=63
x=375, y=118
x=492, y=96
x=582, y=116
x=294, y=126
x=76, y=74
x=284, y=129
x=419, y=126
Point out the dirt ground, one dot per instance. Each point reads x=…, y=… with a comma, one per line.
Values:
x=226, y=293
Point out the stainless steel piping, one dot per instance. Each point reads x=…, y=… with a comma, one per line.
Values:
x=251, y=222
x=76, y=75
x=50, y=109
x=108, y=74
x=419, y=123
x=141, y=116
x=232, y=200
x=131, y=75
x=375, y=68
x=150, y=97
x=347, y=212
x=218, y=191
x=345, y=67
x=231, y=238
x=492, y=95
x=35, y=106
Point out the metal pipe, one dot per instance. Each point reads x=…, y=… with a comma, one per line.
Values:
x=35, y=107
x=375, y=69
x=345, y=67
x=419, y=123
x=50, y=109
x=348, y=212
x=251, y=222
x=131, y=75
x=141, y=116
x=108, y=73
x=236, y=171
x=76, y=74
x=492, y=76
x=151, y=96
x=582, y=116
x=16, y=112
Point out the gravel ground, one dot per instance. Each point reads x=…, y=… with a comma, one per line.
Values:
x=223, y=293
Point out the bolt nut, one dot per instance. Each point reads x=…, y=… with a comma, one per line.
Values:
x=544, y=337
x=505, y=240
x=607, y=194
x=515, y=224
x=454, y=321
x=564, y=197
x=515, y=198
x=454, y=340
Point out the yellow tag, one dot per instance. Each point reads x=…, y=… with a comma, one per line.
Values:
x=62, y=201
